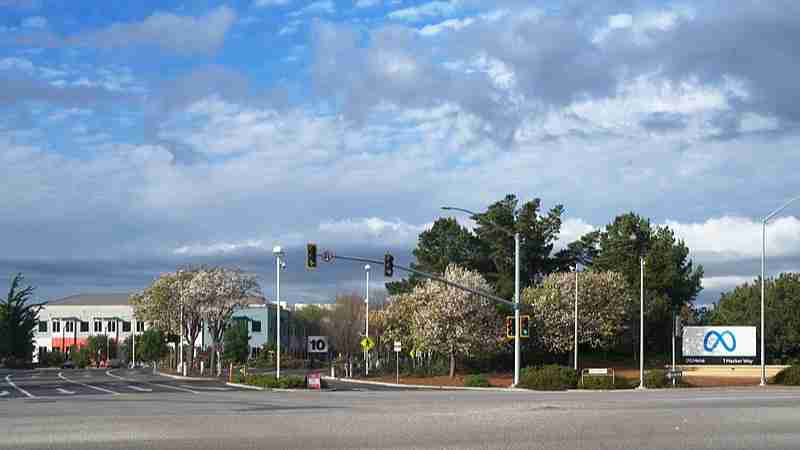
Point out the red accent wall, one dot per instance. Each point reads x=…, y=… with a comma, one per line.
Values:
x=67, y=342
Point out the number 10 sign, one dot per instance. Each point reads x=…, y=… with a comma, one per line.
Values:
x=318, y=344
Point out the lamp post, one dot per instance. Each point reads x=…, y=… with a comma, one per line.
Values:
x=634, y=238
x=576, y=317
x=516, y=237
x=279, y=264
x=763, y=274
x=366, y=332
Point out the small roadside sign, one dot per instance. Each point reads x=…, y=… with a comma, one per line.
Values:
x=398, y=346
x=367, y=343
x=317, y=344
x=314, y=381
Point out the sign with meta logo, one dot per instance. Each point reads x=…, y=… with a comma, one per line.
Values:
x=719, y=345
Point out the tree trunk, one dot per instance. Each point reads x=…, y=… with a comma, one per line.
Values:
x=452, y=363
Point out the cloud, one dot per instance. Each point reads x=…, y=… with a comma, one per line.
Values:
x=449, y=24
x=269, y=3
x=316, y=8
x=168, y=31
x=34, y=22
x=426, y=11
x=374, y=229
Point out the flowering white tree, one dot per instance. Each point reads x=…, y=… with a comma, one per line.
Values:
x=452, y=321
x=218, y=292
x=603, y=299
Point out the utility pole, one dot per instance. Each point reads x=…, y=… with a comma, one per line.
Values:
x=366, y=333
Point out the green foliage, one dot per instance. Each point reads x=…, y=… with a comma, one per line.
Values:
x=548, y=378
x=98, y=347
x=789, y=376
x=479, y=380
x=656, y=378
x=782, y=306
x=435, y=368
x=606, y=383
x=51, y=359
x=270, y=382
x=236, y=343
x=152, y=345
x=82, y=357
x=17, y=321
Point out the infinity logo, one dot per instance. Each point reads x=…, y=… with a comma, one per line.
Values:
x=720, y=340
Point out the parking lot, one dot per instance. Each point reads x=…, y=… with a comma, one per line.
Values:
x=64, y=384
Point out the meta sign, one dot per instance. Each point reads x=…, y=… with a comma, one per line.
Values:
x=719, y=345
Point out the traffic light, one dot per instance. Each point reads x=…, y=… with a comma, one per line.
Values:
x=510, y=327
x=311, y=256
x=388, y=265
x=524, y=323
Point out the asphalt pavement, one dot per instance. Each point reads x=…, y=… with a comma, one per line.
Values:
x=233, y=419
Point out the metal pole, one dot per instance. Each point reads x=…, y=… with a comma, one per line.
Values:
x=133, y=345
x=366, y=333
x=763, y=274
x=516, y=309
x=278, y=319
x=397, y=367
x=641, y=324
x=674, y=332
x=576, y=317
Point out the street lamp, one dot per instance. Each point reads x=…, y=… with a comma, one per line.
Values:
x=634, y=238
x=366, y=333
x=515, y=235
x=279, y=264
x=763, y=270
x=576, y=317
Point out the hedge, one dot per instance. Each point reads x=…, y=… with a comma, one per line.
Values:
x=789, y=376
x=476, y=381
x=548, y=378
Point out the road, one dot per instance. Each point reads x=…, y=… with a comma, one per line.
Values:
x=216, y=419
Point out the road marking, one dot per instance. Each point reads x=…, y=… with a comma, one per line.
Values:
x=140, y=389
x=11, y=383
x=208, y=388
x=108, y=372
x=65, y=392
x=88, y=375
x=3, y=393
x=61, y=375
x=175, y=387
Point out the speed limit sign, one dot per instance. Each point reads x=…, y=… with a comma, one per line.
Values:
x=318, y=344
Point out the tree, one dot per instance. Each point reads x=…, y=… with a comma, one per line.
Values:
x=236, y=342
x=17, y=321
x=672, y=282
x=445, y=243
x=152, y=347
x=603, y=299
x=453, y=321
x=742, y=306
x=346, y=323
x=98, y=347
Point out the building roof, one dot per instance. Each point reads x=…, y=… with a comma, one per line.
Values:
x=93, y=300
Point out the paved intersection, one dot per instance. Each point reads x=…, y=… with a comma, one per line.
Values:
x=63, y=384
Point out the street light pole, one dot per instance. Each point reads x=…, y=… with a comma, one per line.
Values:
x=366, y=333
x=641, y=324
x=763, y=275
x=278, y=252
x=576, y=317
x=516, y=237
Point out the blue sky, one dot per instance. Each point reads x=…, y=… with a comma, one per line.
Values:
x=138, y=136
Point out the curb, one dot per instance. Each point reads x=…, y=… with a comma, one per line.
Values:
x=246, y=386
x=423, y=386
x=179, y=377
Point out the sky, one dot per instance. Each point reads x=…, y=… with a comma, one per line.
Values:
x=138, y=137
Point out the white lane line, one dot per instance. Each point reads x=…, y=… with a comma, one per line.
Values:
x=61, y=375
x=11, y=383
x=207, y=388
x=174, y=387
x=3, y=393
x=65, y=392
x=140, y=389
x=112, y=375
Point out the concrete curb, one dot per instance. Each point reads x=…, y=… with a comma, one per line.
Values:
x=259, y=388
x=423, y=386
x=179, y=377
x=246, y=386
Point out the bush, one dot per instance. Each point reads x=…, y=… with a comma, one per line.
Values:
x=595, y=382
x=656, y=378
x=17, y=363
x=789, y=376
x=270, y=382
x=82, y=358
x=51, y=359
x=476, y=381
x=548, y=378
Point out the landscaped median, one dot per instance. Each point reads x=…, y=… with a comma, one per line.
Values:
x=264, y=382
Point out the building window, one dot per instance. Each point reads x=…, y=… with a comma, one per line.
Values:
x=126, y=327
x=256, y=324
x=69, y=327
x=111, y=326
x=56, y=327
x=84, y=327
x=98, y=327
x=139, y=326
x=42, y=326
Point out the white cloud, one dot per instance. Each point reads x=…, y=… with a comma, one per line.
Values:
x=724, y=283
x=571, y=230
x=268, y=3
x=182, y=34
x=374, y=229
x=449, y=24
x=426, y=11
x=34, y=22
x=316, y=8
x=367, y=3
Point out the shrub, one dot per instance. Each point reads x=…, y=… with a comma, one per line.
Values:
x=51, y=359
x=82, y=357
x=789, y=376
x=476, y=381
x=656, y=378
x=595, y=382
x=17, y=363
x=270, y=382
x=548, y=378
